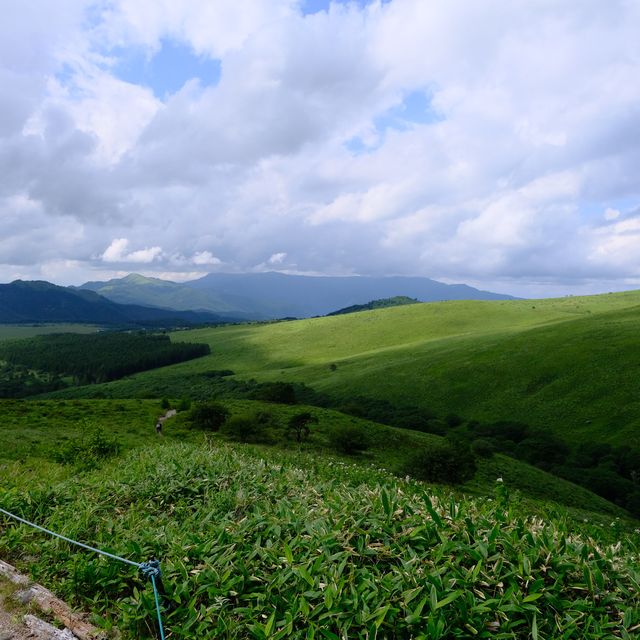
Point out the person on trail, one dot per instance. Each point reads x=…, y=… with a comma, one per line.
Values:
x=159, y=428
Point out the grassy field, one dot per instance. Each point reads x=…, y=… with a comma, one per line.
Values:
x=11, y=331
x=32, y=431
x=34, y=428
x=570, y=365
x=259, y=543
x=567, y=368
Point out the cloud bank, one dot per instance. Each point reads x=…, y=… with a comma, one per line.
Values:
x=481, y=142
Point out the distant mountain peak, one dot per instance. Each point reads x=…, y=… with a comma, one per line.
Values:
x=139, y=279
x=272, y=294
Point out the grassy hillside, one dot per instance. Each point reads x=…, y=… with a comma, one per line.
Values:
x=384, y=303
x=569, y=365
x=565, y=369
x=298, y=540
x=270, y=544
x=32, y=429
x=35, y=431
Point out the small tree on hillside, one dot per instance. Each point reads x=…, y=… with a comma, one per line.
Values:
x=299, y=425
x=256, y=426
x=280, y=392
x=209, y=415
x=351, y=439
x=451, y=463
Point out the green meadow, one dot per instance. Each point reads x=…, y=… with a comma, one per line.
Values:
x=568, y=365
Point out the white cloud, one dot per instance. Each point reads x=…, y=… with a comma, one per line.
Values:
x=205, y=257
x=212, y=28
x=536, y=106
x=117, y=252
x=277, y=258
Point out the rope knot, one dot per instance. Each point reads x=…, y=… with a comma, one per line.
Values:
x=151, y=569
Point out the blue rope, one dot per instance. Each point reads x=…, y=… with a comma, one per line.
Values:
x=80, y=544
x=155, y=593
x=150, y=570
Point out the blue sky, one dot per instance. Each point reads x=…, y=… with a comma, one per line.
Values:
x=414, y=109
x=488, y=143
x=166, y=70
x=314, y=6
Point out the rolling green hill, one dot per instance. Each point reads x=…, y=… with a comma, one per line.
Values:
x=552, y=382
x=383, y=303
x=285, y=539
x=568, y=365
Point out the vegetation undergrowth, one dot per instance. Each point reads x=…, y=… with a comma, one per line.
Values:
x=38, y=431
x=270, y=544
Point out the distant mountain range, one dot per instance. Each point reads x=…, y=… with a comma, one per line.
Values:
x=38, y=301
x=220, y=297
x=276, y=295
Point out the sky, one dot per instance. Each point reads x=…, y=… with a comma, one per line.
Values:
x=492, y=143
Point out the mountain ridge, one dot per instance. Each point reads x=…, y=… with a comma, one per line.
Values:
x=26, y=301
x=271, y=294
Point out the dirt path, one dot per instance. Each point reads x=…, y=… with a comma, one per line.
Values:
x=161, y=420
x=166, y=416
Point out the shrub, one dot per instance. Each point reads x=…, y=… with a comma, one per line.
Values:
x=184, y=404
x=543, y=450
x=350, y=439
x=483, y=448
x=448, y=463
x=218, y=373
x=435, y=426
x=165, y=404
x=257, y=426
x=453, y=420
x=352, y=409
x=632, y=504
x=627, y=462
x=87, y=452
x=299, y=425
x=600, y=480
x=281, y=392
x=209, y=415
x=505, y=429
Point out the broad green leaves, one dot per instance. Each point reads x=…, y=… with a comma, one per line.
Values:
x=265, y=544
